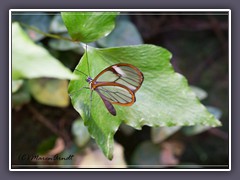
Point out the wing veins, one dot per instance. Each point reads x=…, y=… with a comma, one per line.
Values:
x=109, y=92
x=116, y=95
x=131, y=79
x=133, y=72
x=117, y=79
x=129, y=82
x=103, y=89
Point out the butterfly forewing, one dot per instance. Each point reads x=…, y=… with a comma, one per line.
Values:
x=124, y=74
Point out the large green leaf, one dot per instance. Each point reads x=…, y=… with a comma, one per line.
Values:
x=33, y=61
x=89, y=26
x=165, y=99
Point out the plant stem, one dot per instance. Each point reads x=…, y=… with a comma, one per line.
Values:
x=49, y=125
x=46, y=34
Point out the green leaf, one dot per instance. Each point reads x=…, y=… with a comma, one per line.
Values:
x=51, y=92
x=16, y=84
x=32, y=61
x=46, y=145
x=194, y=130
x=57, y=25
x=22, y=96
x=124, y=34
x=200, y=93
x=197, y=129
x=165, y=99
x=80, y=133
x=127, y=130
x=215, y=111
x=89, y=26
x=159, y=134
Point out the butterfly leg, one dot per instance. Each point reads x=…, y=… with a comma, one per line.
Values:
x=90, y=103
x=73, y=92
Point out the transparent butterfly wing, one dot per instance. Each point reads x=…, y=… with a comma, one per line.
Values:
x=117, y=84
x=107, y=104
x=115, y=93
x=124, y=74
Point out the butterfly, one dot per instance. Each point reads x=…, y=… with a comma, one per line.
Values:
x=117, y=84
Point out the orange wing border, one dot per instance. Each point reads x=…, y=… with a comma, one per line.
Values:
x=110, y=68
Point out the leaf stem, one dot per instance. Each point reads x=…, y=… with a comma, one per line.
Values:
x=46, y=34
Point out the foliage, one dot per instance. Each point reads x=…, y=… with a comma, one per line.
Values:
x=161, y=101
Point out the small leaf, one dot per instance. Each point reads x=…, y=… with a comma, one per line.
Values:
x=215, y=111
x=46, y=145
x=197, y=129
x=165, y=99
x=16, y=84
x=159, y=134
x=80, y=133
x=21, y=97
x=89, y=26
x=194, y=130
x=32, y=61
x=95, y=159
x=200, y=93
x=57, y=25
x=127, y=130
x=125, y=33
x=51, y=92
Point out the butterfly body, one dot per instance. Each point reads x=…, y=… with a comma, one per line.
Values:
x=117, y=84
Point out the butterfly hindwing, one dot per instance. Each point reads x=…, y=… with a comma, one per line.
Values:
x=116, y=93
x=107, y=104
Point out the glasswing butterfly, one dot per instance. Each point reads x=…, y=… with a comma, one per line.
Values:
x=117, y=84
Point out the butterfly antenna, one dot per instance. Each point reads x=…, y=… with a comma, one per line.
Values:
x=81, y=72
x=87, y=60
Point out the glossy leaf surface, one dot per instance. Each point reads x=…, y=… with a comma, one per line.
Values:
x=82, y=25
x=30, y=60
x=165, y=99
